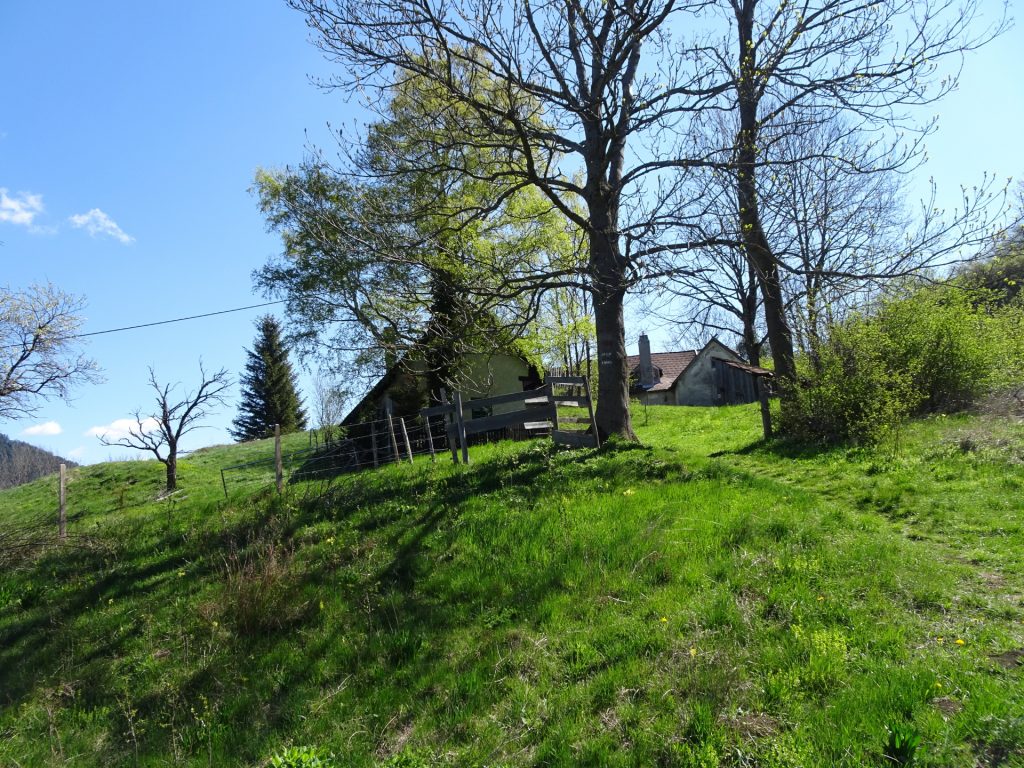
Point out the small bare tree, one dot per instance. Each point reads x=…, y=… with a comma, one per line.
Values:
x=38, y=354
x=328, y=406
x=160, y=432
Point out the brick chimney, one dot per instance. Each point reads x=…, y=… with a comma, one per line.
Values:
x=647, y=375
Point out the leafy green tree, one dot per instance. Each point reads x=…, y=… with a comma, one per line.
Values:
x=397, y=259
x=269, y=392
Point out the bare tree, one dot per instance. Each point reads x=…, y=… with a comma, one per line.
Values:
x=329, y=401
x=160, y=431
x=796, y=66
x=837, y=230
x=591, y=96
x=39, y=358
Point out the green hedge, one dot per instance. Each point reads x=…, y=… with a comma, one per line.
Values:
x=931, y=349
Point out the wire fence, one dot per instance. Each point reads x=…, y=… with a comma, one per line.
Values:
x=366, y=445
x=437, y=429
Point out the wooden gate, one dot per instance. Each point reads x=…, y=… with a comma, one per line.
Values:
x=539, y=413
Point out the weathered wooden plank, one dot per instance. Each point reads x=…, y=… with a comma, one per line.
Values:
x=437, y=410
x=570, y=401
x=573, y=439
x=567, y=380
x=461, y=424
x=500, y=421
x=534, y=425
x=511, y=397
x=590, y=407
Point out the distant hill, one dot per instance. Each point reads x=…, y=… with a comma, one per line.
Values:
x=23, y=463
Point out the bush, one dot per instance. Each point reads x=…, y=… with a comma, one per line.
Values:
x=261, y=592
x=850, y=393
x=302, y=757
x=922, y=350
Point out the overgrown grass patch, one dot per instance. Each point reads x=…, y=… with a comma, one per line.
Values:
x=704, y=600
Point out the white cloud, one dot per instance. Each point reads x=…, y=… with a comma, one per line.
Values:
x=118, y=428
x=20, y=209
x=48, y=429
x=96, y=222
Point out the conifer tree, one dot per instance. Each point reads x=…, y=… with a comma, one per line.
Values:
x=269, y=392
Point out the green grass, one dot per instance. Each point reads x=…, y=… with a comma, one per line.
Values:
x=706, y=600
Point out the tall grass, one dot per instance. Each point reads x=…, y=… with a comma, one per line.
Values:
x=704, y=600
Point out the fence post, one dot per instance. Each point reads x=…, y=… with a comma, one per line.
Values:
x=460, y=423
x=224, y=483
x=450, y=428
x=278, y=465
x=391, y=434
x=554, y=407
x=405, y=436
x=373, y=442
x=430, y=438
x=766, y=411
x=62, y=511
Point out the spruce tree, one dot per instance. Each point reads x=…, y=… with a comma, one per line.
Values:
x=269, y=393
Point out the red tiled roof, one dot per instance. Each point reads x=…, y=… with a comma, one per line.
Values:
x=670, y=364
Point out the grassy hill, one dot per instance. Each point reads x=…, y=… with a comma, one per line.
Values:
x=702, y=601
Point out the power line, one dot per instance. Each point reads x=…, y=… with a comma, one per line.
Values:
x=175, y=320
x=158, y=322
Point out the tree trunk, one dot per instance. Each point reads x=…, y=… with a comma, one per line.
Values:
x=755, y=242
x=608, y=291
x=171, y=465
x=751, y=344
x=445, y=329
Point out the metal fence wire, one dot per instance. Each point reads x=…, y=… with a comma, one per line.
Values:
x=362, y=446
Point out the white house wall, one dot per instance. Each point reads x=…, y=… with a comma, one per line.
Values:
x=697, y=384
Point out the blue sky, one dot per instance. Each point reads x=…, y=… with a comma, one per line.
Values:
x=129, y=135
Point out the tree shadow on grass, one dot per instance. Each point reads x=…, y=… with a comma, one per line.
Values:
x=410, y=603
x=783, y=448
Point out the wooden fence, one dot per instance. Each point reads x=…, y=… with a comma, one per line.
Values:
x=364, y=445
x=390, y=440
x=538, y=414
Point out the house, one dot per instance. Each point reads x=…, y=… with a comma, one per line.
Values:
x=403, y=390
x=713, y=375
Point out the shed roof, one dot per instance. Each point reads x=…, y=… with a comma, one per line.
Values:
x=751, y=369
x=668, y=366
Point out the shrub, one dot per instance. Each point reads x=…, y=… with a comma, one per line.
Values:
x=261, y=592
x=921, y=350
x=302, y=757
x=850, y=392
